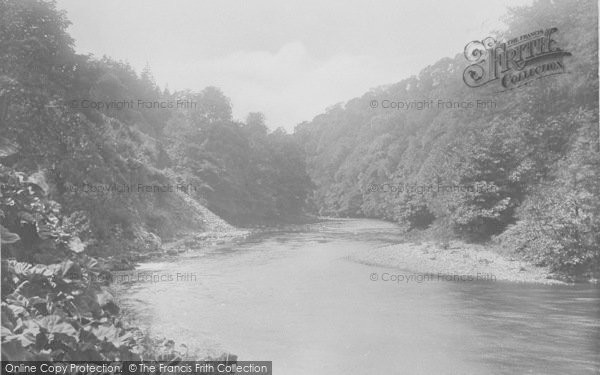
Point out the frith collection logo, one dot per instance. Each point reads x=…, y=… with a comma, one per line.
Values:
x=516, y=62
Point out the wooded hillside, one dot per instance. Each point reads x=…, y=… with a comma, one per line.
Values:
x=524, y=169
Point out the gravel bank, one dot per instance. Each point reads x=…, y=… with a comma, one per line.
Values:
x=458, y=258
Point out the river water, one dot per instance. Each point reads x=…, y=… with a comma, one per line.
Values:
x=295, y=298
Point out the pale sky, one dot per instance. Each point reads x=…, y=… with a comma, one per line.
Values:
x=287, y=59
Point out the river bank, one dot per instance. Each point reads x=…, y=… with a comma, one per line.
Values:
x=158, y=346
x=456, y=259
x=217, y=232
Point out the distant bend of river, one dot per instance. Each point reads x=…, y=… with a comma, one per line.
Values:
x=296, y=299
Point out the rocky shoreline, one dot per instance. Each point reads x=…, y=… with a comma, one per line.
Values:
x=186, y=242
x=212, y=231
x=455, y=259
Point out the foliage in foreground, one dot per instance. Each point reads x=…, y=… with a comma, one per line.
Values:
x=61, y=311
x=58, y=312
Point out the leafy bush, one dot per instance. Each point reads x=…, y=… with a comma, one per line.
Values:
x=62, y=311
x=559, y=224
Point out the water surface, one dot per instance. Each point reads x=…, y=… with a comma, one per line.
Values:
x=296, y=299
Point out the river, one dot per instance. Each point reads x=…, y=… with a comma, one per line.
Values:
x=294, y=297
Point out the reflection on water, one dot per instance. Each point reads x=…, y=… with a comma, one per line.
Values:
x=293, y=298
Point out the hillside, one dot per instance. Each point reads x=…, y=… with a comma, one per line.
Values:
x=520, y=166
x=129, y=163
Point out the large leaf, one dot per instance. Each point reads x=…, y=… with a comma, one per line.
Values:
x=17, y=310
x=38, y=180
x=14, y=351
x=86, y=305
x=7, y=147
x=56, y=324
x=76, y=245
x=111, y=334
x=7, y=237
x=5, y=332
x=45, y=270
x=27, y=337
x=104, y=297
x=69, y=269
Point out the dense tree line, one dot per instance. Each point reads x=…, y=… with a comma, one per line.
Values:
x=524, y=171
